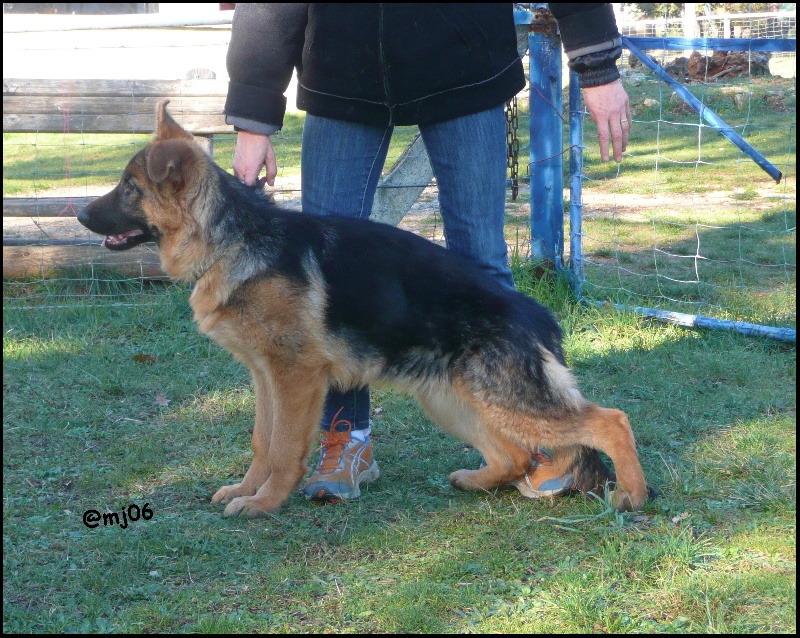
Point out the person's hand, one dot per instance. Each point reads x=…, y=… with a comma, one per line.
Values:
x=254, y=152
x=610, y=108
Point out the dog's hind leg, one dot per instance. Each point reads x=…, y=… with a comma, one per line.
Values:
x=258, y=473
x=609, y=431
x=298, y=398
x=505, y=460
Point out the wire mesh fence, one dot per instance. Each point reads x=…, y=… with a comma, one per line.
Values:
x=771, y=25
x=688, y=223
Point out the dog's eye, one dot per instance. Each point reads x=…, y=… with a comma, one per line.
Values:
x=130, y=189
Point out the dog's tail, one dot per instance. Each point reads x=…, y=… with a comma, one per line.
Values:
x=589, y=471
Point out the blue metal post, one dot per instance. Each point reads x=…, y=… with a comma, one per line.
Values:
x=575, y=182
x=547, y=187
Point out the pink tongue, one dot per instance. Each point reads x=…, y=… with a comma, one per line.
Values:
x=113, y=240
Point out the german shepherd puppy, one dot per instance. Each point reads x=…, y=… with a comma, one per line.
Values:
x=310, y=303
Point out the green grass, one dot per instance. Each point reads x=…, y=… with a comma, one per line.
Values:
x=657, y=249
x=110, y=405
x=34, y=163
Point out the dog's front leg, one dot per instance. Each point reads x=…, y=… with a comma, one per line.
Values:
x=258, y=473
x=298, y=398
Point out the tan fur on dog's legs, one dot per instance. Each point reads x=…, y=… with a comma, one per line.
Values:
x=611, y=433
x=505, y=460
x=258, y=473
x=299, y=396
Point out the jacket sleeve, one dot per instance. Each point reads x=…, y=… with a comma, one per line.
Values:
x=591, y=40
x=266, y=45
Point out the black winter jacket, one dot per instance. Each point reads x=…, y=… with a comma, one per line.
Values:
x=384, y=64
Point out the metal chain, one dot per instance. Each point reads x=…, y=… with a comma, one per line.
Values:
x=512, y=143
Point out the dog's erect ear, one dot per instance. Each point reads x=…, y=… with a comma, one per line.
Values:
x=171, y=159
x=168, y=129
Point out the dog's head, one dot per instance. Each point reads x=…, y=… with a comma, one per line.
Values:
x=149, y=203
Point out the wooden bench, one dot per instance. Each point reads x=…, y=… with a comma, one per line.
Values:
x=41, y=234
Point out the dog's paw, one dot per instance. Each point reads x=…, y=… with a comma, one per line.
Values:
x=228, y=493
x=625, y=502
x=247, y=506
x=462, y=480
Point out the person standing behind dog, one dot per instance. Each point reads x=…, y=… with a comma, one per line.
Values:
x=362, y=70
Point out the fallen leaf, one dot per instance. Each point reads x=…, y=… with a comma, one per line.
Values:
x=680, y=517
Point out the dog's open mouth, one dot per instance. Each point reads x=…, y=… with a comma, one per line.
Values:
x=126, y=240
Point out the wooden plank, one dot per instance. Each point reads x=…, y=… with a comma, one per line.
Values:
x=44, y=206
x=41, y=236
x=46, y=261
x=67, y=230
x=111, y=88
x=46, y=246
x=111, y=105
x=201, y=124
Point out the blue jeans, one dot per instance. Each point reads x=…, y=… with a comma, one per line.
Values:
x=341, y=166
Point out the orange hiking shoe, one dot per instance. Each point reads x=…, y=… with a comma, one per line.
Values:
x=345, y=464
x=541, y=479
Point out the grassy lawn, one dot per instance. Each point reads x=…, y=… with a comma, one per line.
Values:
x=665, y=127
x=109, y=406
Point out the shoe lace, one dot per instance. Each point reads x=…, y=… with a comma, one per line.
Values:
x=332, y=444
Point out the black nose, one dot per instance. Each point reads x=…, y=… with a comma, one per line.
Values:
x=83, y=216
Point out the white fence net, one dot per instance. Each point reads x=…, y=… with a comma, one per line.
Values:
x=688, y=223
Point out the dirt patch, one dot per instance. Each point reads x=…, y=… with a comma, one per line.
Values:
x=633, y=205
